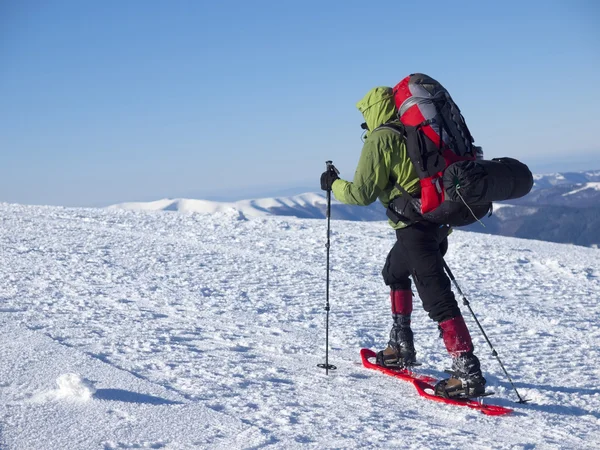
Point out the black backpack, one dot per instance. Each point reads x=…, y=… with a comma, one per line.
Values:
x=456, y=188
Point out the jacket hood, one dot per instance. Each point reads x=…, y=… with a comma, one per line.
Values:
x=378, y=107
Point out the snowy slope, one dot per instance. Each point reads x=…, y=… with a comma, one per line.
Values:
x=203, y=331
x=592, y=186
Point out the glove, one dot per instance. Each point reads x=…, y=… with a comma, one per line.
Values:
x=328, y=177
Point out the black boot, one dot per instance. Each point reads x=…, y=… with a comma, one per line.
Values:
x=400, y=351
x=466, y=381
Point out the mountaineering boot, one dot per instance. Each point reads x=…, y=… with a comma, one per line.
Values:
x=467, y=380
x=400, y=351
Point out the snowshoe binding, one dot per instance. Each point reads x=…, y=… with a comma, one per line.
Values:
x=466, y=380
x=394, y=357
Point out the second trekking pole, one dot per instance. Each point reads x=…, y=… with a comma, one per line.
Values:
x=494, y=352
x=326, y=365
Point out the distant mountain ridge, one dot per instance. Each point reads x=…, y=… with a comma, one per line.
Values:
x=562, y=207
x=305, y=206
x=571, y=189
x=542, y=181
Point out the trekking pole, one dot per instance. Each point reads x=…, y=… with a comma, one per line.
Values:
x=328, y=366
x=494, y=352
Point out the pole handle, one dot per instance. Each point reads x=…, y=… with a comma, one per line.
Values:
x=329, y=166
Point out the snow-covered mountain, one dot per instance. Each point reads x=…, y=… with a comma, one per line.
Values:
x=571, y=195
x=574, y=189
x=580, y=226
x=134, y=329
x=542, y=181
x=577, y=188
x=562, y=207
x=304, y=206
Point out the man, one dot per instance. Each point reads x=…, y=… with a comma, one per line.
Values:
x=418, y=251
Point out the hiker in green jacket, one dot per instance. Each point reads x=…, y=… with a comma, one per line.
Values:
x=417, y=253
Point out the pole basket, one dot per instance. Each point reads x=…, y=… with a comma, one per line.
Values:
x=327, y=366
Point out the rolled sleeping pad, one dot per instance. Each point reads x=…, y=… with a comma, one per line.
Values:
x=456, y=214
x=482, y=181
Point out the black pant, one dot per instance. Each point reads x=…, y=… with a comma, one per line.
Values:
x=418, y=253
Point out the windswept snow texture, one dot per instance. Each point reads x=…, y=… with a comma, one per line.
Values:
x=124, y=329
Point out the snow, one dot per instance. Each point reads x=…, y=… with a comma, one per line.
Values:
x=70, y=386
x=499, y=206
x=184, y=205
x=593, y=185
x=249, y=208
x=128, y=329
x=542, y=181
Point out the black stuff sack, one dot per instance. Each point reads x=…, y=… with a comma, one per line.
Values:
x=482, y=181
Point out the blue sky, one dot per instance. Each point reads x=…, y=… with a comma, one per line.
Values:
x=103, y=102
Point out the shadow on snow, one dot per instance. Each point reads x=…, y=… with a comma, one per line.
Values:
x=121, y=395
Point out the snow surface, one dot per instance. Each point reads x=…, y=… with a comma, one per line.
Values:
x=125, y=329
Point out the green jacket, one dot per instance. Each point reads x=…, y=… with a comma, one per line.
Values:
x=383, y=160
